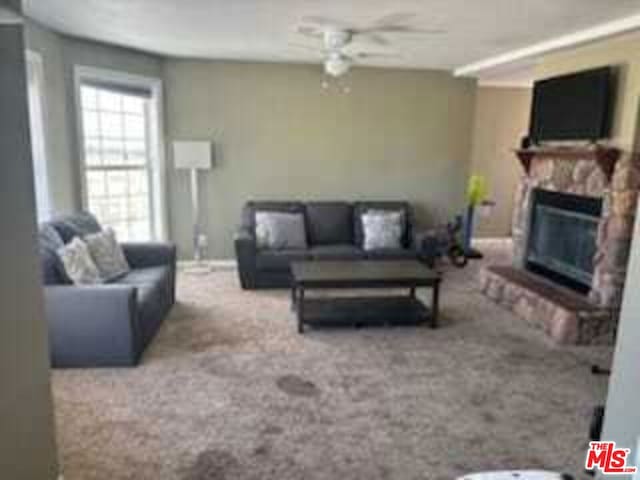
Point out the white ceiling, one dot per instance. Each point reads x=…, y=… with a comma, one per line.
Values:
x=262, y=30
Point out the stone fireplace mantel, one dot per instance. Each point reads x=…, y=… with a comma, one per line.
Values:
x=605, y=157
x=597, y=171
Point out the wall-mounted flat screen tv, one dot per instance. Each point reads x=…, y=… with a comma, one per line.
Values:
x=573, y=107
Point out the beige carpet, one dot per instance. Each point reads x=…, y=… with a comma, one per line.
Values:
x=229, y=390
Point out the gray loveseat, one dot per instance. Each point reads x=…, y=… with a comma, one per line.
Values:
x=108, y=324
x=334, y=232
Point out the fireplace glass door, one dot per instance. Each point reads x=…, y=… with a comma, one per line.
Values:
x=563, y=236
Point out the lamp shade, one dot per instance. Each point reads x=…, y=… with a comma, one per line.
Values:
x=192, y=155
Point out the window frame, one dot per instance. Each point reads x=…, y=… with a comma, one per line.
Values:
x=42, y=187
x=155, y=140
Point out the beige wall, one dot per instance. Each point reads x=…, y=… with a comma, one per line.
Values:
x=623, y=52
x=501, y=119
x=27, y=446
x=398, y=135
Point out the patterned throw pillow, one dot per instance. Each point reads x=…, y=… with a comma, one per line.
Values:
x=107, y=254
x=78, y=264
x=280, y=230
x=382, y=229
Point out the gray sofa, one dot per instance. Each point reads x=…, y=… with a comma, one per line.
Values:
x=105, y=325
x=334, y=232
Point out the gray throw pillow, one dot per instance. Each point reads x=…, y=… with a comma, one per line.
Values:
x=78, y=264
x=382, y=229
x=49, y=240
x=107, y=254
x=280, y=230
x=75, y=225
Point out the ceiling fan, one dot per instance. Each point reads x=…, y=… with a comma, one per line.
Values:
x=337, y=36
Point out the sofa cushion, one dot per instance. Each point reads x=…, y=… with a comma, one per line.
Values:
x=363, y=207
x=75, y=225
x=329, y=223
x=280, y=230
x=279, y=260
x=337, y=252
x=49, y=241
x=143, y=276
x=391, y=254
x=146, y=280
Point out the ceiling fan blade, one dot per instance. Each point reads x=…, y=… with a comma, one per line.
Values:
x=309, y=31
x=402, y=29
x=375, y=38
x=365, y=55
x=411, y=30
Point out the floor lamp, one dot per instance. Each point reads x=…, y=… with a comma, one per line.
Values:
x=194, y=156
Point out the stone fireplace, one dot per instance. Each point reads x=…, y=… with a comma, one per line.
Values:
x=572, y=228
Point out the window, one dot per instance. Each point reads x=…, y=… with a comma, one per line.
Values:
x=38, y=140
x=121, y=158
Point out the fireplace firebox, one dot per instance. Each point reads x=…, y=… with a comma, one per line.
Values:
x=562, y=240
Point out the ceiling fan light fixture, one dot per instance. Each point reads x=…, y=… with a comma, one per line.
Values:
x=337, y=65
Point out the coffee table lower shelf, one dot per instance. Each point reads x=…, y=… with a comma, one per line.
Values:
x=356, y=311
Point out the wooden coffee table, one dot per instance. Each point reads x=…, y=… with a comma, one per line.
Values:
x=357, y=310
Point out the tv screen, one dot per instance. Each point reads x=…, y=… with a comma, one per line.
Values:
x=572, y=107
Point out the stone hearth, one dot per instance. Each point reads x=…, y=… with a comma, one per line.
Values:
x=604, y=173
x=565, y=316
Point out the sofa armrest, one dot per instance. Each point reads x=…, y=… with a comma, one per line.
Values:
x=153, y=254
x=246, y=250
x=142, y=255
x=92, y=326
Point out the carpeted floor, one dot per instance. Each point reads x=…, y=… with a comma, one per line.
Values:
x=229, y=390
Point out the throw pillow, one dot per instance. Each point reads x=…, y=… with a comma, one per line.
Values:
x=78, y=264
x=280, y=230
x=49, y=240
x=75, y=225
x=402, y=213
x=107, y=254
x=382, y=229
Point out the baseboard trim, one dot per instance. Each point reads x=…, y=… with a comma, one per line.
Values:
x=212, y=264
x=493, y=240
